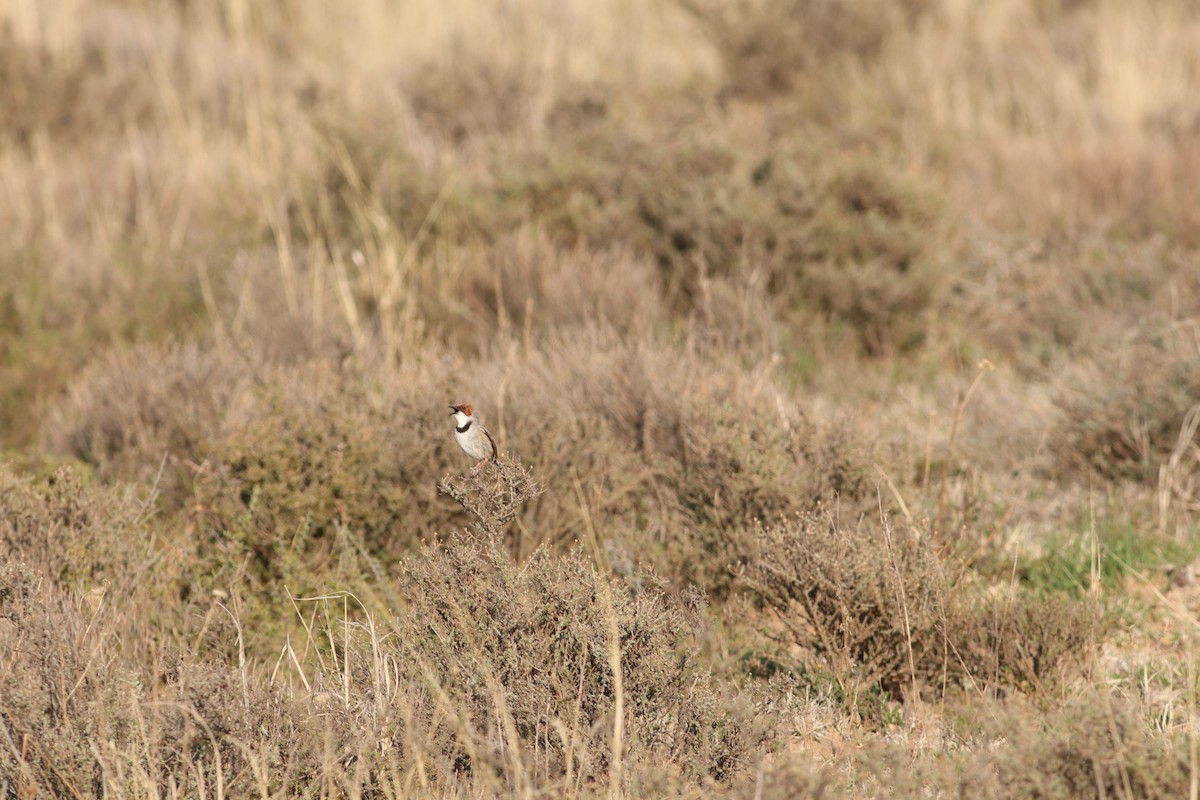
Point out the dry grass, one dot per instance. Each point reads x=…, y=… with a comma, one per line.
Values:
x=720, y=277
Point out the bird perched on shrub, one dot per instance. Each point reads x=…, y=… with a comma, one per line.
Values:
x=473, y=438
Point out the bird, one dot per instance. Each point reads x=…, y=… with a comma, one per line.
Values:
x=472, y=437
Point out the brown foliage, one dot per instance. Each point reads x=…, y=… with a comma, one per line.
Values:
x=131, y=410
x=525, y=649
x=77, y=536
x=784, y=46
x=701, y=267
x=878, y=608
x=1124, y=414
x=870, y=601
x=493, y=498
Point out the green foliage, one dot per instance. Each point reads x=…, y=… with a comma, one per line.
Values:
x=1072, y=564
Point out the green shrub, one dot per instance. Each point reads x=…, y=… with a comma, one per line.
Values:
x=312, y=484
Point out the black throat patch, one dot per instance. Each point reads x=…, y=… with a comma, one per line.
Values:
x=463, y=429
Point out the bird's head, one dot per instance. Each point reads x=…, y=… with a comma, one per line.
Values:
x=463, y=409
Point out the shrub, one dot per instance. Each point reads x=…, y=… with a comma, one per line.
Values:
x=878, y=610
x=782, y=47
x=533, y=650
x=870, y=602
x=78, y=536
x=739, y=467
x=39, y=706
x=494, y=498
x=133, y=408
x=676, y=453
x=867, y=259
x=1099, y=745
x=528, y=283
x=81, y=716
x=1026, y=640
x=1123, y=416
x=311, y=482
x=825, y=232
x=1096, y=745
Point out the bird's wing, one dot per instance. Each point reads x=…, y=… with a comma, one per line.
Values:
x=495, y=453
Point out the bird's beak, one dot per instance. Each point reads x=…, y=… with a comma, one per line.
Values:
x=453, y=411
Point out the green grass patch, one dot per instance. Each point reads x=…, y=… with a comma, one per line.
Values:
x=1073, y=563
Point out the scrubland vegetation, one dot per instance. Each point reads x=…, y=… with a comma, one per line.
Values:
x=845, y=356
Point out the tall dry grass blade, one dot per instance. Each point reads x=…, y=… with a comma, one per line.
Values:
x=615, y=788
x=1171, y=473
x=901, y=598
x=981, y=369
x=241, y=644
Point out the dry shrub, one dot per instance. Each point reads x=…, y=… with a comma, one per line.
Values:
x=1050, y=304
x=1101, y=744
x=1130, y=185
x=674, y=448
x=525, y=282
x=877, y=608
x=522, y=655
x=740, y=466
x=44, y=724
x=473, y=96
x=69, y=94
x=1097, y=745
x=676, y=453
x=870, y=244
x=778, y=47
x=495, y=668
x=80, y=718
x=79, y=536
x=797, y=779
x=497, y=675
x=54, y=322
x=132, y=408
x=1023, y=640
x=828, y=231
x=493, y=498
x=1123, y=414
x=870, y=601
x=848, y=237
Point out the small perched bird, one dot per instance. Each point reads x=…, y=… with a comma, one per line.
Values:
x=472, y=437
